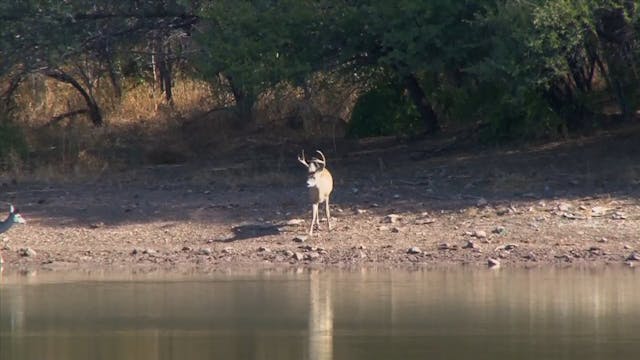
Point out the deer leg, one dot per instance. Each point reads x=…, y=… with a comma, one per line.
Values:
x=318, y=216
x=326, y=203
x=314, y=218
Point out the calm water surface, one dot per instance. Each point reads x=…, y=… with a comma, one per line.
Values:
x=367, y=314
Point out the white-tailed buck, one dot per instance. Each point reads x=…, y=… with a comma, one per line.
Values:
x=320, y=184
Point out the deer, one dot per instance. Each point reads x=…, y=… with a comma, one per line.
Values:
x=320, y=184
x=13, y=218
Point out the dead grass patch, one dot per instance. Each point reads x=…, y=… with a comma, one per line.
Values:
x=142, y=128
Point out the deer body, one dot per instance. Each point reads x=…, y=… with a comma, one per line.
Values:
x=13, y=218
x=320, y=184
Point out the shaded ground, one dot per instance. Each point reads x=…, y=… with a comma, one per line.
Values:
x=574, y=202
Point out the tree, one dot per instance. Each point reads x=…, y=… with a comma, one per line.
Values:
x=77, y=42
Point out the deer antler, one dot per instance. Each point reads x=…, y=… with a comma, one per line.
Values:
x=324, y=161
x=302, y=160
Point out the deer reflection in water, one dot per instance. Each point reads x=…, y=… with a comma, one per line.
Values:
x=320, y=317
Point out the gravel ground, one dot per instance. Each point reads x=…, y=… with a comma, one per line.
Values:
x=574, y=203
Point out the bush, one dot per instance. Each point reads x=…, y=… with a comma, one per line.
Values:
x=385, y=110
x=12, y=142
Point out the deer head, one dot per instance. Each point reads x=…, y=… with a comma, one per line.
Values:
x=315, y=165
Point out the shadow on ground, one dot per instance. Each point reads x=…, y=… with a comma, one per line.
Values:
x=381, y=179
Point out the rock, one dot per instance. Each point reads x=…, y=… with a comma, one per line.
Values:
x=206, y=251
x=134, y=252
x=264, y=249
x=186, y=248
x=627, y=247
x=227, y=250
x=618, y=216
x=493, y=263
x=480, y=234
x=288, y=253
x=96, y=225
x=383, y=228
x=392, y=218
x=470, y=245
x=531, y=256
x=564, y=206
x=27, y=252
x=633, y=257
x=361, y=247
x=502, y=211
x=298, y=256
x=396, y=229
x=361, y=211
x=426, y=221
x=482, y=202
x=149, y=251
x=295, y=222
x=507, y=247
x=597, y=211
x=499, y=230
x=311, y=256
x=414, y=250
x=603, y=240
x=300, y=238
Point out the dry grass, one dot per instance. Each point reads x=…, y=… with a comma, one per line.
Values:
x=73, y=148
x=142, y=128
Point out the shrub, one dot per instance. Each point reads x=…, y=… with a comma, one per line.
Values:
x=384, y=110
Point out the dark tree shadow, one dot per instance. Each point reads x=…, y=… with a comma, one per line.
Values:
x=382, y=179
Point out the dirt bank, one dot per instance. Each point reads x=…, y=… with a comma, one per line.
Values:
x=569, y=203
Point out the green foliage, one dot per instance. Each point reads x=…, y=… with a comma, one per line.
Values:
x=257, y=44
x=545, y=68
x=384, y=110
x=12, y=142
x=525, y=68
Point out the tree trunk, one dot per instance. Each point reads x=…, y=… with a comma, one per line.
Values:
x=113, y=76
x=92, y=106
x=429, y=117
x=167, y=78
x=162, y=66
x=616, y=36
x=244, y=101
x=14, y=82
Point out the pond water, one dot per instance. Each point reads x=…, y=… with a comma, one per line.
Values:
x=364, y=314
